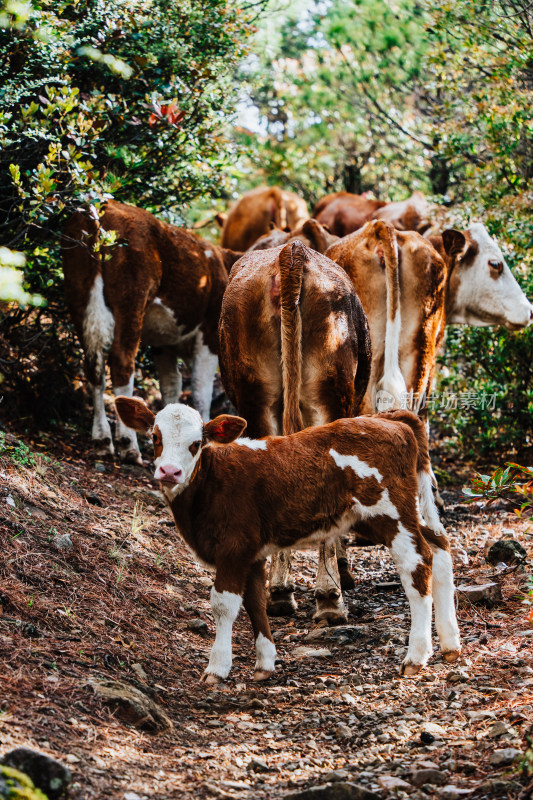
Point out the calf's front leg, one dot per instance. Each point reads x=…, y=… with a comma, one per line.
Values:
x=225, y=606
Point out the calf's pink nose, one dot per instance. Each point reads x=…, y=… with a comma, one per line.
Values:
x=168, y=473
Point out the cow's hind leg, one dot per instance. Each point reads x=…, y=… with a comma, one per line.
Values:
x=255, y=605
x=204, y=368
x=166, y=363
x=347, y=579
x=101, y=431
x=329, y=603
x=413, y=559
x=122, y=365
x=281, y=602
x=96, y=332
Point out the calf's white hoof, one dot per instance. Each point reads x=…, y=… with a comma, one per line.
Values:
x=408, y=670
x=452, y=655
x=211, y=679
x=262, y=674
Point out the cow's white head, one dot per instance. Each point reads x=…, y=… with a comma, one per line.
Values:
x=482, y=290
x=178, y=435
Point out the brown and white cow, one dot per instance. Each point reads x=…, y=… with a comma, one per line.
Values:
x=344, y=213
x=160, y=284
x=235, y=501
x=311, y=233
x=255, y=212
x=412, y=214
x=458, y=278
x=304, y=348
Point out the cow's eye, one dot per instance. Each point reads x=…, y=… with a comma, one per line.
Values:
x=195, y=446
x=156, y=438
x=497, y=266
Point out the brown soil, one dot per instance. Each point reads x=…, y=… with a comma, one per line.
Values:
x=117, y=607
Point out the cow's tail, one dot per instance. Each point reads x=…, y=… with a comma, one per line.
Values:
x=83, y=268
x=292, y=260
x=391, y=389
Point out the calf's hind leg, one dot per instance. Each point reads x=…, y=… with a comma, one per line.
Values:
x=255, y=605
x=444, y=596
x=413, y=559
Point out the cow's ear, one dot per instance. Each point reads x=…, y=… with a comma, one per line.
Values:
x=220, y=219
x=315, y=233
x=224, y=429
x=135, y=414
x=454, y=241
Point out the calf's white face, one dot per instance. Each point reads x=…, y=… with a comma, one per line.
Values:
x=178, y=434
x=483, y=290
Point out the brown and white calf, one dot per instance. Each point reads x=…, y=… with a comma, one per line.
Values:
x=459, y=277
x=160, y=284
x=235, y=501
x=294, y=352
x=311, y=233
x=255, y=212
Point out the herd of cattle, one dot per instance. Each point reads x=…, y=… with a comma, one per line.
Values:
x=313, y=319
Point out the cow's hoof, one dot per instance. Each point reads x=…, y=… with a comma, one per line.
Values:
x=211, y=679
x=332, y=615
x=282, y=604
x=131, y=457
x=451, y=656
x=347, y=579
x=103, y=447
x=262, y=674
x=408, y=670
x=330, y=608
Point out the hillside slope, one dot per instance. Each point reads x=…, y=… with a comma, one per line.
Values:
x=97, y=586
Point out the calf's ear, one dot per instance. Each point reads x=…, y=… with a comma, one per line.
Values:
x=224, y=429
x=135, y=414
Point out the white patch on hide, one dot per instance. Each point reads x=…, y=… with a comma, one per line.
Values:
x=361, y=468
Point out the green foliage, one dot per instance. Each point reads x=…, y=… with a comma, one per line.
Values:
x=514, y=483
x=15, y=785
x=84, y=111
x=333, y=91
x=16, y=451
x=99, y=98
x=392, y=97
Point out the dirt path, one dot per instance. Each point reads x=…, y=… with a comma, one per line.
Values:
x=96, y=585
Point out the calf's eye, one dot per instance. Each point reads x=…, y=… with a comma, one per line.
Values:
x=496, y=266
x=195, y=446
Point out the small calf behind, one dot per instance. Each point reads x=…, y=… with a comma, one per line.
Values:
x=236, y=501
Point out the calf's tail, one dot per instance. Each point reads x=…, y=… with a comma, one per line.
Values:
x=428, y=507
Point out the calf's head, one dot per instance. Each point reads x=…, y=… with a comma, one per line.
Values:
x=482, y=290
x=178, y=434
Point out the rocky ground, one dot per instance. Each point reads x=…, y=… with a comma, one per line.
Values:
x=105, y=629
